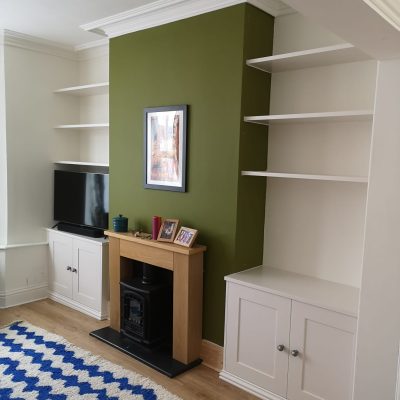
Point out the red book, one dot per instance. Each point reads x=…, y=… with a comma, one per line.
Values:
x=156, y=225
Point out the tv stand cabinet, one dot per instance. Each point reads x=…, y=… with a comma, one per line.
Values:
x=187, y=267
x=78, y=272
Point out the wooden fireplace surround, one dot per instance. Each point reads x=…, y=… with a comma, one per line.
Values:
x=187, y=267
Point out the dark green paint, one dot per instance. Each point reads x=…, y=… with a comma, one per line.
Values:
x=198, y=61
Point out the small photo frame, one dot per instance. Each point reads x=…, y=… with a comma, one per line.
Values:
x=186, y=237
x=168, y=230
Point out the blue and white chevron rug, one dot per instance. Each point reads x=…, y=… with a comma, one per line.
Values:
x=35, y=364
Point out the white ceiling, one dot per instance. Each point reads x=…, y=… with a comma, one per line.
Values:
x=372, y=25
x=59, y=20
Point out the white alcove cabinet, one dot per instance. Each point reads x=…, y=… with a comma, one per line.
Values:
x=78, y=272
x=287, y=336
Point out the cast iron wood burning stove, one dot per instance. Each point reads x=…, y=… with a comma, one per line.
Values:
x=146, y=307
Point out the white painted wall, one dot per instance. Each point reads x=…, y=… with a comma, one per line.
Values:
x=3, y=150
x=317, y=228
x=2, y=271
x=31, y=78
x=94, y=68
x=379, y=317
x=24, y=275
x=28, y=145
x=294, y=32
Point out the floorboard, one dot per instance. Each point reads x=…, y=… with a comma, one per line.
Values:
x=200, y=383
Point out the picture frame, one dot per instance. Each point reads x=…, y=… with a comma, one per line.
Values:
x=186, y=236
x=168, y=230
x=165, y=130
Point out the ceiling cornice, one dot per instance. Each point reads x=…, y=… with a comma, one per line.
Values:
x=387, y=9
x=16, y=39
x=272, y=7
x=93, y=50
x=91, y=45
x=165, y=11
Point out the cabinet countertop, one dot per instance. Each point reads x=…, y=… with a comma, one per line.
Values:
x=322, y=293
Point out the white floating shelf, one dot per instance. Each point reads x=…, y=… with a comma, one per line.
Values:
x=92, y=164
x=354, y=179
x=330, y=55
x=83, y=126
x=85, y=90
x=334, y=116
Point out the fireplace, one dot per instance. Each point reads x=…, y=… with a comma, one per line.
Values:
x=146, y=307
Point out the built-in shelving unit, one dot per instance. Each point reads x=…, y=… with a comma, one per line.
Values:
x=329, y=146
x=94, y=131
x=83, y=126
x=85, y=90
x=355, y=179
x=329, y=55
x=318, y=165
x=82, y=163
x=334, y=116
x=338, y=54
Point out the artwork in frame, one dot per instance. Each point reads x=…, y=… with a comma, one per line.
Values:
x=168, y=230
x=165, y=148
x=186, y=236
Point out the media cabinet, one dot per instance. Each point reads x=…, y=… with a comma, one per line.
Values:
x=186, y=265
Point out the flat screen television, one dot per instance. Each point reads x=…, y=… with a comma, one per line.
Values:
x=81, y=198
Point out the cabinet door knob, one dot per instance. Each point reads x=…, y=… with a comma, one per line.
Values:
x=280, y=347
x=294, y=353
x=74, y=270
x=68, y=268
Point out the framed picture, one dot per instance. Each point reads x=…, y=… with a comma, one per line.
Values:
x=168, y=230
x=186, y=237
x=165, y=148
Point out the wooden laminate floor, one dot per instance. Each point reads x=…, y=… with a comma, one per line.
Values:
x=198, y=383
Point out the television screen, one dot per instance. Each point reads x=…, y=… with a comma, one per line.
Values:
x=81, y=198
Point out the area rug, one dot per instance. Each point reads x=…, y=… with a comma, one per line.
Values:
x=35, y=364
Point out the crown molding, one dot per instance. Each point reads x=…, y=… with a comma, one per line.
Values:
x=94, y=44
x=21, y=40
x=387, y=9
x=90, y=52
x=162, y=12
x=273, y=7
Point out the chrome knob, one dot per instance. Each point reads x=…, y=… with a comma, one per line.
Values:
x=280, y=347
x=294, y=353
x=68, y=268
x=74, y=270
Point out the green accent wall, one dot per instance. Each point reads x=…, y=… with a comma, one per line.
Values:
x=199, y=61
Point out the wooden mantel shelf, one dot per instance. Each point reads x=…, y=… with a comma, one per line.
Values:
x=186, y=265
x=197, y=248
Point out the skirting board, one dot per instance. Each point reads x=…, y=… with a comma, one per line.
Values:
x=248, y=387
x=212, y=355
x=16, y=297
x=76, y=306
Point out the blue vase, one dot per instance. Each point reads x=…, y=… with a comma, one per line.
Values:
x=120, y=224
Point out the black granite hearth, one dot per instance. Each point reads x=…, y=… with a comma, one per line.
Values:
x=159, y=358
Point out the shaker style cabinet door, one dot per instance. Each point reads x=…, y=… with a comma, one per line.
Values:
x=87, y=274
x=60, y=265
x=323, y=369
x=257, y=337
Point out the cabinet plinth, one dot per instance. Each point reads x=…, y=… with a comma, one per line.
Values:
x=187, y=267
